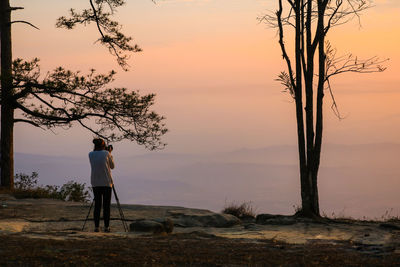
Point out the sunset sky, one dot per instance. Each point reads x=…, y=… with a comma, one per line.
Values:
x=212, y=66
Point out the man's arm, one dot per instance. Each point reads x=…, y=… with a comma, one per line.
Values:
x=111, y=160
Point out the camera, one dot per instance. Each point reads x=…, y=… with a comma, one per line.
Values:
x=109, y=148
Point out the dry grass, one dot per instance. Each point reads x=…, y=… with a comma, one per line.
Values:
x=241, y=211
x=341, y=216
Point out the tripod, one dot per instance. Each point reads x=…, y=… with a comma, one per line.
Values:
x=121, y=213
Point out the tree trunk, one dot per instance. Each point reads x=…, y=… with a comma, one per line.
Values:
x=309, y=174
x=320, y=96
x=7, y=106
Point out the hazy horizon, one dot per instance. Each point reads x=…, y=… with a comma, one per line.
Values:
x=268, y=177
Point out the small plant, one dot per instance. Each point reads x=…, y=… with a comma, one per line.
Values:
x=25, y=182
x=241, y=211
x=53, y=191
x=388, y=217
x=73, y=191
x=25, y=186
x=339, y=216
x=296, y=208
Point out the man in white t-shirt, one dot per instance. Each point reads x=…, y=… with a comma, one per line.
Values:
x=101, y=163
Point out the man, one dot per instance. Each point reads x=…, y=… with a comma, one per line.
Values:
x=101, y=163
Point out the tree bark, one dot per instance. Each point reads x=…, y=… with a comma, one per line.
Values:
x=7, y=107
x=320, y=96
x=312, y=145
x=301, y=130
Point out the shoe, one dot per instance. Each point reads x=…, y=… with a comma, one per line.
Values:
x=97, y=229
x=107, y=229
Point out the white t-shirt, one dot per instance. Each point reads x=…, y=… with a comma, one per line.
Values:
x=101, y=162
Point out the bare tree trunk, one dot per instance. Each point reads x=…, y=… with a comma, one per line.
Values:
x=320, y=96
x=308, y=207
x=305, y=189
x=7, y=107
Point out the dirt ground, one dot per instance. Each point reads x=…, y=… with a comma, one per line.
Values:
x=194, y=249
x=48, y=233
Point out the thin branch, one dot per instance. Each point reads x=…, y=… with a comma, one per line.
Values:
x=94, y=131
x=338, y=5
x=72, y=117
x=40, y=115
x=352, y=64
x=25, y=22
x=52, y=107
x=334, y=105
x=356, y=11
x=96, y=18
x=29, y=122
x=16, y=8
x=282, y=44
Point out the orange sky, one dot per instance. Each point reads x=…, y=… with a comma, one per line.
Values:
x=213, y=67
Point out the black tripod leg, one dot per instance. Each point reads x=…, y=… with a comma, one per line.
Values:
x=121, y=213
x=91, y=205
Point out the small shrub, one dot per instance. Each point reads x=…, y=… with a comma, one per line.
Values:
x=73, y=191
x=25, y=186
x=340, y=216
x=242, y=211
x=23, y=181
x=388, y=217
x=296, y=208
x=53, y=191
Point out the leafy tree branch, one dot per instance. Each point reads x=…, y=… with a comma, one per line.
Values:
x=100, y=13
x=63, y=97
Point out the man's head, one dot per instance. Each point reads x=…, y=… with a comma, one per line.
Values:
x=99, y=144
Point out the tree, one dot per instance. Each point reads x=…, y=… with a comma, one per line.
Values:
x=308, y=78
x=63, y=97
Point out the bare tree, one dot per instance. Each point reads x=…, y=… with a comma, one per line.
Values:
x=62, y=97
x=308, y=78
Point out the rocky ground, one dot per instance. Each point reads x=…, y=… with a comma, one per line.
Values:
x=41, y=232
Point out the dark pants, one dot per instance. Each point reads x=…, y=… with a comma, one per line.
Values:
x=102, y=194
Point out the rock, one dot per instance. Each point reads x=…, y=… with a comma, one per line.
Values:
x=250, y=226
x=275, y=219
x=5, y=197
x=390, y=226
x=248, y=219
x=167, y=224
x=155, y=226
x=146, y=226
x=203, y=218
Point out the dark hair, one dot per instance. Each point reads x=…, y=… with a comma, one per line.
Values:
x=98, y=144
